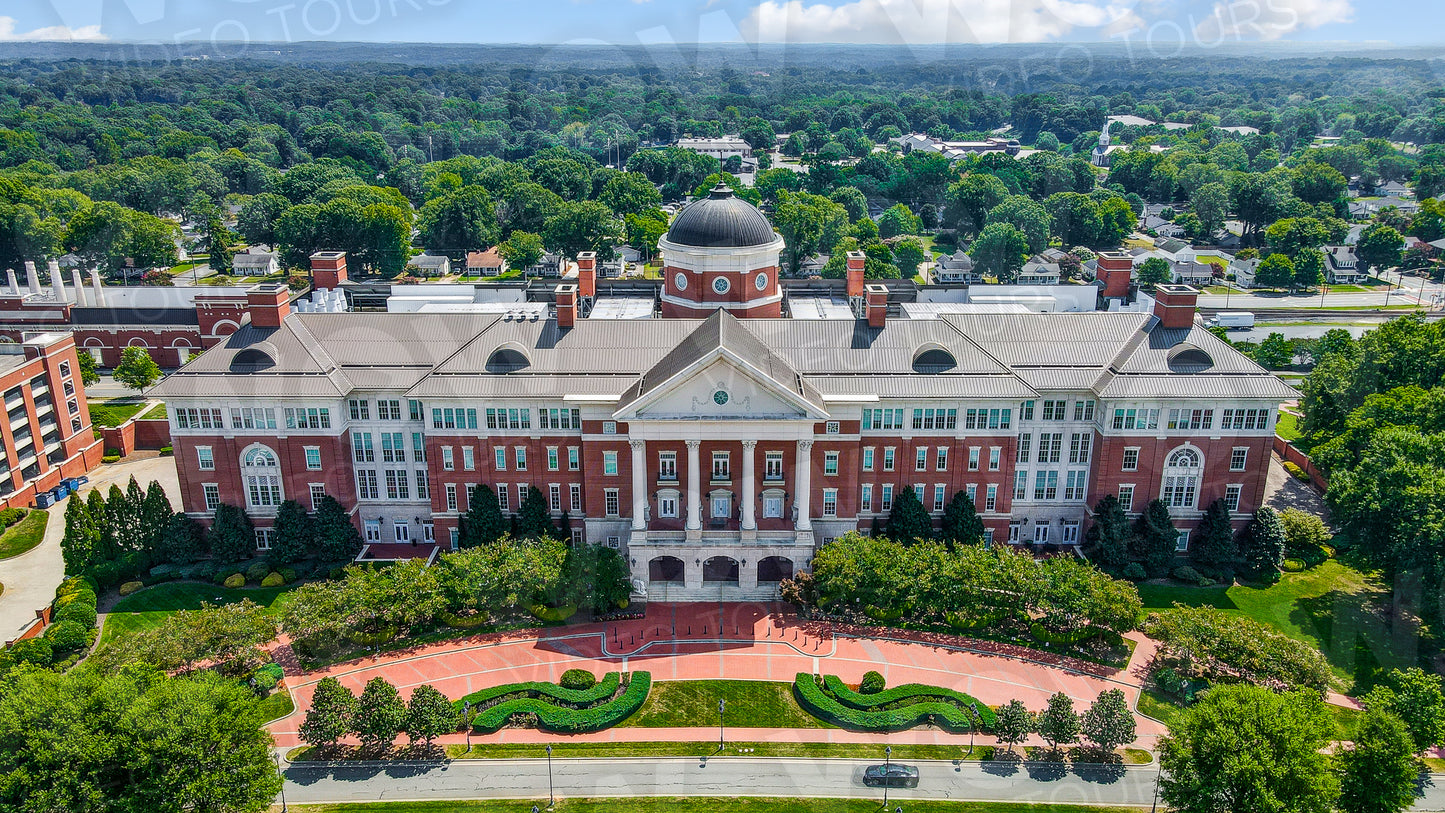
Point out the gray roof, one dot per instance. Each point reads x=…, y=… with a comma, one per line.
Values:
x=721, y=220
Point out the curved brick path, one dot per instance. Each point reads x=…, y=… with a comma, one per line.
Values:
x=755, y=644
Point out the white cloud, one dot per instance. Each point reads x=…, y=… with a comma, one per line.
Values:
x=87, y=33
x=1269, y=19
x=923, y=22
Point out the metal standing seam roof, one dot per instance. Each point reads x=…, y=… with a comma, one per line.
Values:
x=721, y=220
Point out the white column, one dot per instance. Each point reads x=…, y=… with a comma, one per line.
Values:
x=804, y=483
x=639, y=485
x=694, y=487
x=750, y=497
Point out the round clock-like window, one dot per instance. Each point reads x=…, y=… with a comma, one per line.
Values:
x=720, y=397
x=761, y=281
x=721, y=285
x=680, y=280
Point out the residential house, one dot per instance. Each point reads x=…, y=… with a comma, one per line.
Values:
x=254, y=263
x=1190, y=272
x=430, y=265
x=1039, y=271
x=955, y=267
x=549, y=266
x=1342, y=267
x=487, y=263
x=1176, y=251
x=1243, y=271
x=1160, y=226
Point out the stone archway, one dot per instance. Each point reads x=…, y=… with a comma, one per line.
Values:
x=720, y=569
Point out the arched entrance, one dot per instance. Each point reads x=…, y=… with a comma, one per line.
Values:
x=775, y=569
x=665, y=569
x=720, y=569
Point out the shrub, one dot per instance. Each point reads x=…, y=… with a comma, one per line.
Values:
x=110, y=458
x=569, y=721
x=222, y=575
x=603, y=690
x=1189, y=575
x=234, y=581
x=1295, y=471
x=257, y=571
x=10, y=516
x=77, y=611
x=75, y=584
x=371, y=638
x=106, y=574
x=265, y=678
x=273, y=580
x=1293, y=566
x=66, y=636
x=1045, y=635
x=834, y=702
x=577, y=679
x=463, y=622
x=872, y=683
x=1134, y=572
x=1169, y=681
x=288, y=574
x=131, y=587
x=84, y=596
x=167, y=451
x=38, y=651
x=553, y=615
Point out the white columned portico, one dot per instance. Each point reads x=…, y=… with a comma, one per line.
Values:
x=694, y=487
x=750, y=498
x=639, y=485
x=805, y=484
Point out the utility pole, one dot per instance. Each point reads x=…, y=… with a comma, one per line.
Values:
x=551, y=794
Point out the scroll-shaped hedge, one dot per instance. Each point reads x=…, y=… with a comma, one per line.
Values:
x=569, y=721
x=943, y=707
x=600, y=691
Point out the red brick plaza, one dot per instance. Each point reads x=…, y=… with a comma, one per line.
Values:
x=734, y=641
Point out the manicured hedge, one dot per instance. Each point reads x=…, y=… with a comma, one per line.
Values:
x=948, y=714
x=538, y=690
x=570, y=721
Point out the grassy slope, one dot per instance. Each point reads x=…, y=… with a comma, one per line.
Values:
x=750, y=703
x=663, y=804
x=113, y=413
x=1166, y=709
x=1287, y=426
x=157, y=412
x=150, y=608
x=24, y=535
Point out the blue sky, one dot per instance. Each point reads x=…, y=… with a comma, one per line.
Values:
x=1160, y=23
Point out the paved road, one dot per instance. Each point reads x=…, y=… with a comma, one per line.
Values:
x=1410, y=290
x=733, y=776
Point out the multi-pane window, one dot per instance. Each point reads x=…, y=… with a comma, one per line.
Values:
x=574, y=458
x=1051, y=447
x=940, y=459
x=393, y=447
x=205, y=460
x=610, y=502
x=414, y=409
x=938, y=492
x=1131, y=458
x=830, y=463
x=366, y=486
x=504, y=496
x=451, y=492
x=554, y=461
x=313, y=458
x=667, y=466
x=990, y=497
x=972, y=491
x=883, y=419
x=469, y=458
x=521, y=457
x=1025, y=448
x=830, y=502
x=423, y=485
x=499, y=458
x=212, y=493
x=1190, y=419
x=931, y=418
x=888, y=458
x=974, y=455
x=865, y=499
x=1080, y=444
x=460, y=418
x=1046, y=485
x=361, y=448
x=192, y=418
x=360, y=410
x=1231, y=496
x=1181, y=544
x=263, y=478
x=918, y=492
x=1074, y=485
x=252, y=418
x=523, y=489
x=667, y=504
x=553, y=418
x=1126, y=498
x=574, y=492
x=867, y=458
x=1083, y=410
x=1244, y=419
x=264, y=538
x=418, y=447
x=1026, y=411
x=987, y=418
x=995, y=457
x=1237, y=458
x=885, y=498
x=1181, y=479
x=1054, y=410
x=449, y=460
x=609, y=464
x=721, y=466
x=554, y=497
x=318, y=493
x=773, y=464
x=1021, y=485
x=920, y=459
x=388, y=410
x=1133, y=418
x=396, y=484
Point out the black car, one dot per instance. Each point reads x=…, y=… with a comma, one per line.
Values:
x=892, y=775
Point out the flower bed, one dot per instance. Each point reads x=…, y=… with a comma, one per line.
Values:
x=836, y=703
x=551, y=717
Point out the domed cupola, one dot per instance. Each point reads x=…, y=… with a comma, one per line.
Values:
x=721, y=252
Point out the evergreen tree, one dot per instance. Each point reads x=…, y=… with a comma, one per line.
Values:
x=1110, y=537
x=329, y=718
x=483, y=523
x=182, y=542
x=1214, y=543
x=1015, y=724
x=1058, y=724
x=534, y=520
x=1155, y=538
x=908, y=521
x=295, y=535
x=232, y=537
x=1108, y=724
x=107, y=548
x=564, y=527
x=961, y=525
x=1266, y=543
x=119, y=514
x=429, y=715
x=78, y=546
x=1379, y=773
x=337, y=538
x=379, y=715
x=155, y=517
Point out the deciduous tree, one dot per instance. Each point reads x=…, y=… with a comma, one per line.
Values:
x=1059, y=724
x=329, y=718
x=137, y=369
x=1108, y=723
x=380, y=714
x=429, y=715
x=1378, y=772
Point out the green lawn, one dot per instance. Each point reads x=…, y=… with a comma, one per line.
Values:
x=1305, y=606
x=700, y=804
x=23, y=535
x=157, y=412
x=750, y=703
x=150, y=608
x=276, y=705
x=114, y=413
x=1287, y=426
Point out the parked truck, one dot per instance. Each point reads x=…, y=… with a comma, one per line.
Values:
x=1233, y=320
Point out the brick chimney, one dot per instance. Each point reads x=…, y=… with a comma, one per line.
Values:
x=1174, y=305
x=587, y=274
x=566, y=306
x=328, y=270
x=877, y=305
x=856, y=261
x=269, y=304
x=1116, y=269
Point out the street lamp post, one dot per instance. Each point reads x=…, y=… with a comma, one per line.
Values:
x=277, y=759
x=551, y=795
x=467, y=722
x=887, y=771
x=972, y=726
x=722, y=704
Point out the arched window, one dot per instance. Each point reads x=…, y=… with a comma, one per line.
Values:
x=1181, y=478
x=262, y=474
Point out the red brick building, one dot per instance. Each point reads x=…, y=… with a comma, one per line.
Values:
x=47, y=436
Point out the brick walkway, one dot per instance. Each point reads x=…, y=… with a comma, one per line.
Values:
x=734, y=641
